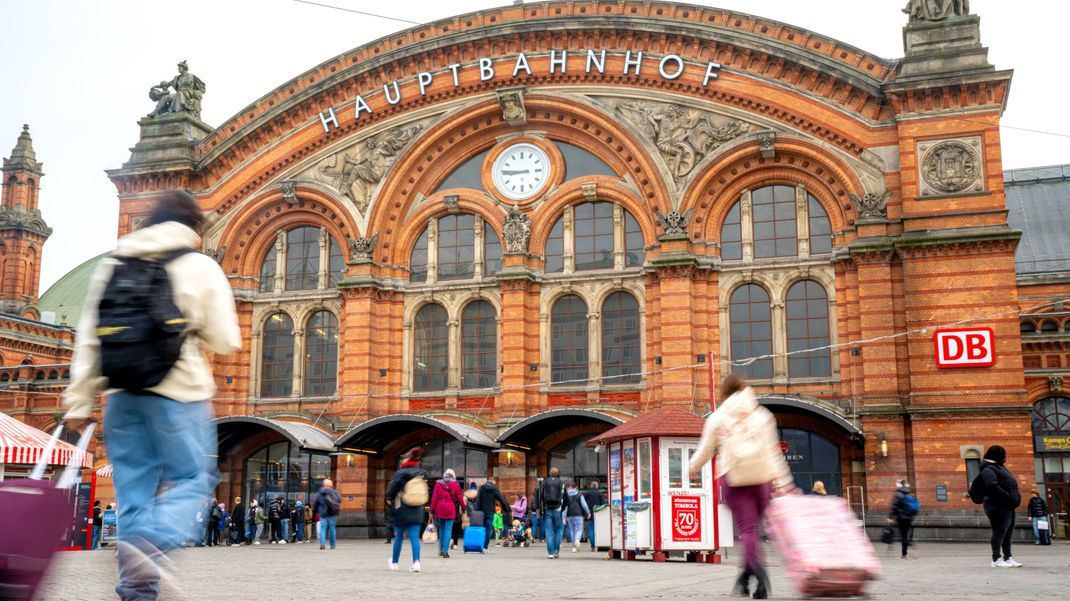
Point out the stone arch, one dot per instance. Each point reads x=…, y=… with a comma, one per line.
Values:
x=471, y=202
x=572, y=193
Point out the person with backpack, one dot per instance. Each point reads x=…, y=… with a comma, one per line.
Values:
x=328, y=506
x=905, y=508
x=408, y=489
x=487, y=501
x=1038, y=510
x=576, y=511
x=743, y=435
x=150, y=308
x=297, y=517
x=275, y=520
x=551, y=497
x=997, y=490
x=446, y=499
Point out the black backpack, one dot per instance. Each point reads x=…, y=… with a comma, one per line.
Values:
x=551, y=492
x=978, y=490
x=140, y=328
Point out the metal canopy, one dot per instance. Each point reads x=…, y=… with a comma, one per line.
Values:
x=305, y=436
x=807, y=407
x=530, y=431
x=376, y=434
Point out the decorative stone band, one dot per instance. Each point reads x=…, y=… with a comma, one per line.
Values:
x=22, y=219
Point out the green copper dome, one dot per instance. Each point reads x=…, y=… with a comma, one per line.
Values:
x=66, y=297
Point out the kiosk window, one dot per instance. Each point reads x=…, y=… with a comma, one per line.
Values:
x=645, y=473
x=696, y=482
x=676, y=468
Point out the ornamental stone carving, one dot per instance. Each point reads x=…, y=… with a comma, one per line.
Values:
x=18, y=217
x=516, y=231
x=951, y=166
x=767, y=144
x=289, y=194
x=872, y=205
x=512, y=104
x=936, y=10
x=216, y=254
x=452, y=203
x=684, y=136
x=360, y=249
x=356, y=173
x=1055, y=383
x=186, y=97
x=675, y=222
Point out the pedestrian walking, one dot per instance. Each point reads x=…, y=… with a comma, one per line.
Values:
x=819, y=488
x=200, y=523
x=905, y=508
x=98, y=523
x=388, y=507
x=328, y=506
x=297, y=516
x=167, y=301
x=743, y=435
x=408, y=489
x=284, y=515
x=576, y=511
x=275, y=520
x=215, y=518
x=997, y=490
x=446, y=498
x=487, y=501
x=1037, y=510
x=259, y=519
x=551, y=498
x=595, y=498
x=237, y=522
x=537, y=530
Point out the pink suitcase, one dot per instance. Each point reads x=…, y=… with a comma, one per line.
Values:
x=826, y=552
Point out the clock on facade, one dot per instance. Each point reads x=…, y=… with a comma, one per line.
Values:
x=521, y=171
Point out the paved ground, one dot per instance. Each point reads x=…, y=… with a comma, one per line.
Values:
x=358, y=570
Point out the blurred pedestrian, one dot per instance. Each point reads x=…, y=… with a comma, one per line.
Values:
x=905, y=508
x=551, y=498
x=328, y=506
x=259, y=519
x=446, y=499
x=275, y=520
x=201, y=523
x=747, y=469
x=388, y=519
x=819, y=488
x=158, y=422
x=309, y=534
x=576, y=511
x=297, y=516
x=519, y=509
x=997, y=490
x=537, y=530
x=408, y=488
x=488, y=498
x=1037, y=510
x=215, y=523
x=284, y=515
x=594, y=498
x=237, y=521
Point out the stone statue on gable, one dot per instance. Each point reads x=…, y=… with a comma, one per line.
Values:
x=936, y=10
x=186, y=97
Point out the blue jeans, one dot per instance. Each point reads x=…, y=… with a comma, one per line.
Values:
x=488, y=531
x=590, y=532
x=445, y=534
x=575, y=528
x=328, y=524
x=287, y=534
x=400, y=530
x=536, y=528
x=96, y=537
x=299, y=531
x=1036, y=531
x=554, y=528
x=152, y=440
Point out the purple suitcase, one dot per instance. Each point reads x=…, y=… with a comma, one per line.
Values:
x=36, y=516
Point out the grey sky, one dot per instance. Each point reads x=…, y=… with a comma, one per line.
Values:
x=79, y=73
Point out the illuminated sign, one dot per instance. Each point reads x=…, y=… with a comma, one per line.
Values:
x=964, y=347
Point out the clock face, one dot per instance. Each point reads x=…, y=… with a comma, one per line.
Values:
x=521, y=171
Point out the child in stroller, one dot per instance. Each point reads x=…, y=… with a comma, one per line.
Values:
x=517, y=536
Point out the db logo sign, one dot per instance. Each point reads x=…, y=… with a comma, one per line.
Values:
x=964, y=347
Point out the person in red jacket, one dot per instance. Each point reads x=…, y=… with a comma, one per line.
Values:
x=446, y=498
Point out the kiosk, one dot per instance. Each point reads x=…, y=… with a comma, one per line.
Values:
x=653, y=505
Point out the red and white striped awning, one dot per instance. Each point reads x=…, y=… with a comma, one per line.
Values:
x=23, y=444
x=105, y=471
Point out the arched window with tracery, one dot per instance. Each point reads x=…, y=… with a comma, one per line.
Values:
x=751, y=331
x=456, y=247
x=430, y=349
x=321, y=354
x=452, y=241
x=277, y=356
x=597, y=241
x=418, y=260
x=568, y=341
x=267, y=270
x=479, y=345
x=620, y=339
x=302, y=258
x=807, y=313
x=775, y=225
x=296, y=259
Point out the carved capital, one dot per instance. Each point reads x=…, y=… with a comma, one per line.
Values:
x=452, y=202
x=516, y=231
x=360, y=249
x=872, y=206
x=675, y=222
x=1055, y=383
x=767, y=144
x=590, y=191
x=217, y=254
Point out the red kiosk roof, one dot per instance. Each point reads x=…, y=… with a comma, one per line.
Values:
x=663, y=422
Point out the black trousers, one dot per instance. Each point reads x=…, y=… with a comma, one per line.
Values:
x=1002, y=521
x=276, y=530
x=904, y=532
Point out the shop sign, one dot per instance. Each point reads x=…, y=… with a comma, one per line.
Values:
x=1051, y=443
x=109, y=530
x=964, y=347
x=686, y=519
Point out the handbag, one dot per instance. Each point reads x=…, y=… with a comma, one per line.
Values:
x=1042, y=523
x=430, y=533
x=887, y=535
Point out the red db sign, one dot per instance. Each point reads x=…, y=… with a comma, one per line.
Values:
x=964, y=347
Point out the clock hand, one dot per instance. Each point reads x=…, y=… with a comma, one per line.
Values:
x=516, y=172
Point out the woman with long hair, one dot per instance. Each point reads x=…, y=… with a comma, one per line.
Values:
x=408, y=517
x=743, y=435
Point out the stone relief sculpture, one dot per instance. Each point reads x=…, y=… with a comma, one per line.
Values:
x=516, y=231
x=936, y=10
x=871, y=205
x=512, y=104
x=289, y=193
x=217, y=254
x=356, y=174
x=951, y=167
x=675, y=222
x=186, y=97
x=361, y=248
x=682, y=135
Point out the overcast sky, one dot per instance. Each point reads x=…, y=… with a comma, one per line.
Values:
x=79, y=73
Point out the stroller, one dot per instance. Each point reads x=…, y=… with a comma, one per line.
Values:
x=518, y=535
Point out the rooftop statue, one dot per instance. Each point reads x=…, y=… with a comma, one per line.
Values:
x=936, y=10
x=186, y=98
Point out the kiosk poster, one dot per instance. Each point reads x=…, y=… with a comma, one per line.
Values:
x=109, y=531
x=686, y=519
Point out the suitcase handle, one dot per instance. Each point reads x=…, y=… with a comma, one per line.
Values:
x=70, y=473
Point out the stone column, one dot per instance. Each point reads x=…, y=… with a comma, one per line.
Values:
x=325, y=254
x=802, y=221
x=618, y=236
x=453, y=355
x=780, y=342
x=280, y=262
x=432, y=251
x=594, y=349
x=477, y=239
x=299, y=360
x=746, y=224
x=569, y=241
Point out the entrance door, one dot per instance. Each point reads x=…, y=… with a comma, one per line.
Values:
x=1058, y=500
x=686, y=516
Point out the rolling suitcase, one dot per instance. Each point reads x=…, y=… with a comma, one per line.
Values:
x=826, y=552
x=473, y=539
x=37, y=514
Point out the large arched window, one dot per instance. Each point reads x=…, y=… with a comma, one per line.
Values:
x=430, y=349
x=321, y=354
x=277, y=357
x=620, y=339
x=1051, y=415
x=336, y=264
x=492, y=250
x=479, y=346
x=301, y=262
x=596, y=239
x=418, y=260
x=751, y=331
x=807, y=312
x=764, y=224
x=267, y=270
x=633, y=242
x=568, y=340
x=820, y=229
x=731, y=236
x=303, y=258
x=456, y=247
x=775, y=226
x=593, y=235
x=555, y=248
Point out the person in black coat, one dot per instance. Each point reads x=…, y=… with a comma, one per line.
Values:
x=488, y=497
x=1001, y=498
x=1037, y=509
x=407, y=518
x=594, y=498
x=237, y=518
x=901, y=515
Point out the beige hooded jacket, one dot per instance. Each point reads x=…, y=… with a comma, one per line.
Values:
x=201, y=292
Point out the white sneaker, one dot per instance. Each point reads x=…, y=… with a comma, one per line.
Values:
x=1010, y=563
x=415, y=567
x=549, y=556
x=256, y=542
x=999, y=563
x=393, y=566
x=575, y=550
x=282, y=542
